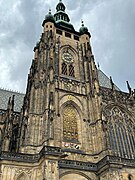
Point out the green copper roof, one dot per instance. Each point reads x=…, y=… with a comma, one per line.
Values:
x=62, y=18
x=49, y=17
x=60, y=6
x=83, y=29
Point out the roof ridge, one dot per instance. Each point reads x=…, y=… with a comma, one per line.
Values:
x=13, y=91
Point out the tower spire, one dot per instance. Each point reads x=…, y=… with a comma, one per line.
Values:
x=49, y=17
x=50, y=11
x=61, y=17
x=83, y=29
x=82, y=22
x=60, y=6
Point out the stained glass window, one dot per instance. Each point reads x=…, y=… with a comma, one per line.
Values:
x=70, y=131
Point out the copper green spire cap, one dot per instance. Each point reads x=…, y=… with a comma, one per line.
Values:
x=60, y=6
x=49, y=18
x=83, y=29
x=60, y=14
x=61, y=17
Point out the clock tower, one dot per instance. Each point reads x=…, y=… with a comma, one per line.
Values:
x=63, y=92
x=63, y=89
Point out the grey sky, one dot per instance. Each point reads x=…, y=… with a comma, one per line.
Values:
x=111, y=23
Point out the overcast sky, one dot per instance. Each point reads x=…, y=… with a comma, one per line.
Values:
x=110, y=22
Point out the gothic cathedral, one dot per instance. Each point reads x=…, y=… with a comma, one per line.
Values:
x=73, y=123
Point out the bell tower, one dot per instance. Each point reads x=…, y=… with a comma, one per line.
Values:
x=70, y=126
x=62, y=102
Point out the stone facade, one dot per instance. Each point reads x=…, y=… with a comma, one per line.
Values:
x=69, y=126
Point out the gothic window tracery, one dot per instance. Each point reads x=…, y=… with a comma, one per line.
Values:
x=70, y=131
x=68, y=69
x=71, y=70
x=120, y=132
x=64, y=68
x=67, y=66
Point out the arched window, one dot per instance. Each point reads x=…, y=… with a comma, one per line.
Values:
x=64, y=68
x=71, y=70
x=70, y=131
x=68, y=69
x=120, y=132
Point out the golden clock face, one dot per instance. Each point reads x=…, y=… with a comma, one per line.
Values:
x=67, y=57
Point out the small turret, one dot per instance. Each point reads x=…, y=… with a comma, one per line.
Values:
x=49, y=18
x=83, y=29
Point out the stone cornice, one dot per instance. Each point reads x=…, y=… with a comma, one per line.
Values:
x=106, y=162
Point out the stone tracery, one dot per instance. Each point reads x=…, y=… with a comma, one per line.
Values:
x=120, y=131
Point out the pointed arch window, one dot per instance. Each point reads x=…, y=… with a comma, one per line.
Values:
x=70, y=130
x=71, y=70
x=120, y=133
x=64, y=68
x=68, y=69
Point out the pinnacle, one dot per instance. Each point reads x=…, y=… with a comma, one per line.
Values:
x=49, y=10
x=82, y=22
